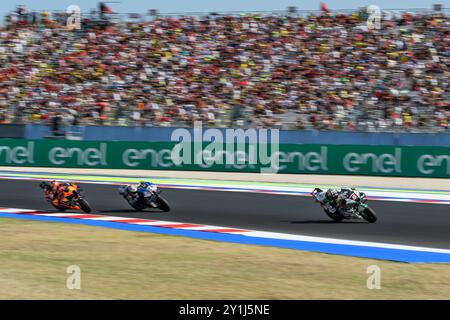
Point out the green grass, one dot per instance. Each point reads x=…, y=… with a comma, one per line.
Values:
x=118, y=264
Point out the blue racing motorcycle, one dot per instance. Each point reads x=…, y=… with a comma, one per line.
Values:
x=144, y=195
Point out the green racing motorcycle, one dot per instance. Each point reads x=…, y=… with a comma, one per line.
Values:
x=358, y=210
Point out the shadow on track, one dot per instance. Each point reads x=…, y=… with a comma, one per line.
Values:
x=147, y=210
x=119, y=210
x=321, y=222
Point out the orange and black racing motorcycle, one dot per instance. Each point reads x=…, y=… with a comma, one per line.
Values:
x=65, y=196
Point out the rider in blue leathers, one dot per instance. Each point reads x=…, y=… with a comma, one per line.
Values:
x=131, y=191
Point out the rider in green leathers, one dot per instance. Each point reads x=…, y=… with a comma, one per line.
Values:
x=334, y=199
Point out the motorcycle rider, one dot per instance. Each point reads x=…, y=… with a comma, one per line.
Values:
x=147, y=185
x=65, y=190
x=344, y=200
x=56, y=191
x=328, y=198
x=334, y=199
x=130, y=192
x=49, y=187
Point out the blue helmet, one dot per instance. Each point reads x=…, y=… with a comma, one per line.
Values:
x=145, y=185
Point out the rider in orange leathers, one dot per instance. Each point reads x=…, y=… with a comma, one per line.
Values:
x=56, y=191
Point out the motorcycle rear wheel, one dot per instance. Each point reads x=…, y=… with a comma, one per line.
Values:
x=336, y=216
x=59, y=208
x=137, y=207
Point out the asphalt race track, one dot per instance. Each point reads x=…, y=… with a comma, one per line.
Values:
x=398, y=222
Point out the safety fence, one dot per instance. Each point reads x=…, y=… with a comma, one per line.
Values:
x=164, y=134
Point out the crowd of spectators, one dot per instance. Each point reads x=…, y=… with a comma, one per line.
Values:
x=321, y=71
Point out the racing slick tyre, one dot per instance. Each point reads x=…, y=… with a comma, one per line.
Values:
x=163, y=204
x=369, y=215
x=84, y=205
x=336, y=216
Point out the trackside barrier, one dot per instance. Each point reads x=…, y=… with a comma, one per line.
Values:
x=292, y=158
x=163, y=134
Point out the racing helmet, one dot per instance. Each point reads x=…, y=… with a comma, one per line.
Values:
x=132, y=188
x=65, y=185
x=331, y=194
x=145, y=185
x=148, y=186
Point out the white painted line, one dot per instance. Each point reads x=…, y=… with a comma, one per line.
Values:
x=58, y=214
x=110, y=218
x=159, y=222
x=14, y=210
x=203, y=228
x=286, y=236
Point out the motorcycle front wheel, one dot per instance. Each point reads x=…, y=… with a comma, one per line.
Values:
x=163, y=204
x=369, y=215
x=84, y=205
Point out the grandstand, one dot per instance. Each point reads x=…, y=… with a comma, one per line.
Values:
x=321, y=70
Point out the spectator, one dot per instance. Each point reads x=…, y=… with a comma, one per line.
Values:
x=57, y=130
x=324, y=72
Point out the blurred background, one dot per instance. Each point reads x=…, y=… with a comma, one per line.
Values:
x=319, y=67
x=95, y=92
